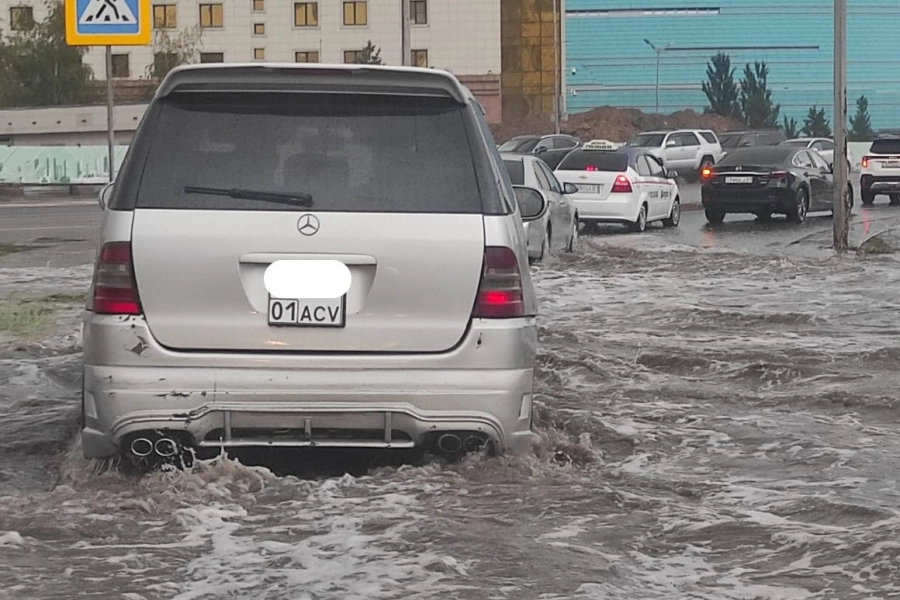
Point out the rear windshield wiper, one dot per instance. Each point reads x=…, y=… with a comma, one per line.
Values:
x=291, y=198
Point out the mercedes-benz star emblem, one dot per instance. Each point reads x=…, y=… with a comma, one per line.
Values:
x=308, y=225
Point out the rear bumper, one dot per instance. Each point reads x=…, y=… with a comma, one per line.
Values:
x=133, y=385
x=777, y=200
x=880, y=183
x=617, y=208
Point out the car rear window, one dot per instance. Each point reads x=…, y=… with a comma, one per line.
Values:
x=349, y=152
x=730, y=141
x=516, y=170
x=764, y=156
x=646, y=140
x=709, y=137
x=885, y=147
x=594, y=160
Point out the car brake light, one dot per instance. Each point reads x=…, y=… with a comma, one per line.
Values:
x=115, y=291
x=500, y=292
x=706, y=173
x=590, y=168
x=621, y=185
x=778, y=175
x=865, y=162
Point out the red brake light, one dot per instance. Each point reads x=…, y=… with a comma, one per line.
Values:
x=706, y=173
x=590, y=168
x=115, y=292
x=865, y=162
x=778, y=175
x=621, y=185
x=500, y=292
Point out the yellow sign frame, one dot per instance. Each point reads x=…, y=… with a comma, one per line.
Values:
x=141, y=38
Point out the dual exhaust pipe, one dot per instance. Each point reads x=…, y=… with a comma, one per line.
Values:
x=164, y=447
x=451, y=443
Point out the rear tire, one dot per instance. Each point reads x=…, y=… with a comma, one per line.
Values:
x=674, y=217
x=714, y=215
x=573, y=238
x=640, y=225
x=797, y=213
x=868, y=198
x=895, y=199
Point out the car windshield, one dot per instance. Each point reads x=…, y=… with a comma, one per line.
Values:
x=646, y=140
x=761, y=156
x=594, y=160
x=516, y=170
x=521, y=144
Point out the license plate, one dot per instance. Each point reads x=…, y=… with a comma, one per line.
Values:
x=739, y=179
x=588, y=189
x=891, y=165
x=329, y=312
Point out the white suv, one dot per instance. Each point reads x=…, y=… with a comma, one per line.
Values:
x=683, y=150
x=880, y=171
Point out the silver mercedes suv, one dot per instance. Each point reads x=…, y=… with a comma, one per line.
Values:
x=388, y=175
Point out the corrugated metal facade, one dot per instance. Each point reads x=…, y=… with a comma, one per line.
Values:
x=613, y=65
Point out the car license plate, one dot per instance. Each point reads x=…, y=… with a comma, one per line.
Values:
x=588, y=189
x=739, y=179
x=891, y=165
x=329, y=312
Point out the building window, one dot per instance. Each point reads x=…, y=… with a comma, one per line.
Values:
x=21, y=18
x=306, y=14
x=356, y=13
x=418, y=12
x=259, y=54
x=163, y=62
x=165, y=16
x=353, y=56
x=259, y=5
x=120, y=68
x=211, y=15
x=212, y=57
x=306, y=57
x=419, y=58
x=259, y=29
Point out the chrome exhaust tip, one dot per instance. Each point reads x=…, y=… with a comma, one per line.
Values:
x=474, y=443
x=141, y=447
x=449, y=443
x=166, y=447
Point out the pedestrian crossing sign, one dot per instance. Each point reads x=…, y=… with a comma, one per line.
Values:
x=108, y=22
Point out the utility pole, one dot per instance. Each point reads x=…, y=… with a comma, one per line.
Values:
x=556, y=78
x=841, y=176
x=659, y=52
x=405, y=47
x=111, y=127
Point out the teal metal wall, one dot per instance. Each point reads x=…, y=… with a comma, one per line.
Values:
x=56, y=164
x=614, y=66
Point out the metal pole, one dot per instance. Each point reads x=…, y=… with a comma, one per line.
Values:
x=111, y=127
x=841, y=176
x=405, y=47
x=658, y=55
x=555, y=68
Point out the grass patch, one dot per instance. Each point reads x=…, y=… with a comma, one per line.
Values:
x=30, y=316
x=875, y=245
x=12, y=249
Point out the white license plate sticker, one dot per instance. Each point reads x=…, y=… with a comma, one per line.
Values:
x=328, y=312
x=891, y=165
x=747, y=179
x=588, y=189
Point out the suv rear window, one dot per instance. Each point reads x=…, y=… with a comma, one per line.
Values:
x=350, y=152
x=709, y=136
x=885, y=147
x=598, y=160
x=516, y=170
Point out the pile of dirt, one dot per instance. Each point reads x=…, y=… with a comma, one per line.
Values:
x=618, y=124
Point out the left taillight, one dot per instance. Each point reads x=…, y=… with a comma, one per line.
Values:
x=115, y=289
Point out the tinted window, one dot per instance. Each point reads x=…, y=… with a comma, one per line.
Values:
x=563, y=143
x=709, y=136
x=656, y=168
x=542, y=180
x=516, y=170
x=797, y=143
x=803, y=160
x=771, y=139
x=885, y=147
x=827, y=145
x=551, y=178
x=647, y=140
x=363, y=153
x=730, y=141
x=765, y=156
x=520, y=144
x=597, y=160
x=687, y=139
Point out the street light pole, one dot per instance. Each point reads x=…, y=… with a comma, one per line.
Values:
x=556, y=79
x=841, y=162
x=659, y=52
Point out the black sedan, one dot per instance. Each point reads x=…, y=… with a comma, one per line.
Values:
x=770, y=179
x=549, y=148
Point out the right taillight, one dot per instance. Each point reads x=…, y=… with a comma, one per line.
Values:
x=706, y=173
x=500, y=293
x=865, y=162
x=621, y=185
x=115, y=292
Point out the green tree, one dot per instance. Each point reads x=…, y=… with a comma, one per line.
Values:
x=173, y=51
x=815, y=124
x=790, y=128
x=720, y=87
x=370, y=55
x=861, y=124
x=755, y=99
x=38, y=68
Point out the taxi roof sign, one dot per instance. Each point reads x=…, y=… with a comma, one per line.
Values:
x=600, y=145
x=108, y=22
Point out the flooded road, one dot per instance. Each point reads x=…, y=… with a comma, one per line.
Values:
x=715, y=424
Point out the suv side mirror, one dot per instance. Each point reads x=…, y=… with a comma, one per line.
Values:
x=532, y=203
x=540, y=149
x=671, y=144
x=105, y=194
x=570, y=188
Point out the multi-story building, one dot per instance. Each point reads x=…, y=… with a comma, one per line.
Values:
x=462, y=36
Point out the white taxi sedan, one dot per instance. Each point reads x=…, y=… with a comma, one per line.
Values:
x=628, y=185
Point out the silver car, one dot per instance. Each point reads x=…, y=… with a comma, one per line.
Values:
x=557, y=228
x=249, y=196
